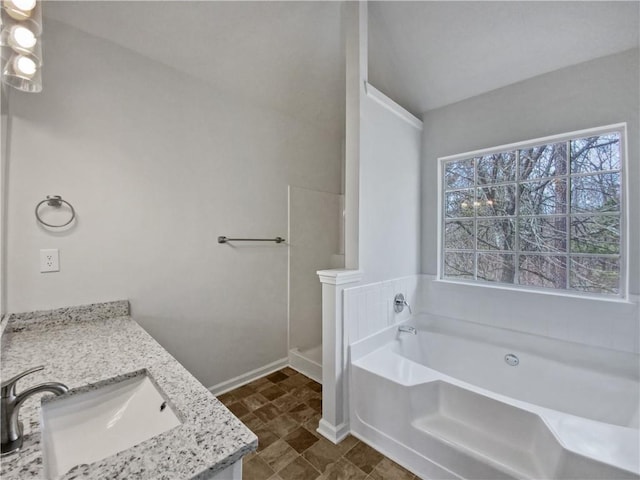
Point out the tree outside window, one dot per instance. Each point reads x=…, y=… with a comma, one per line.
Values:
x=546, y=215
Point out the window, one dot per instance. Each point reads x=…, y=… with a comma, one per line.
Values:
x=540, y=214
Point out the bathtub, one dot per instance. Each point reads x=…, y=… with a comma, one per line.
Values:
x=450, y=402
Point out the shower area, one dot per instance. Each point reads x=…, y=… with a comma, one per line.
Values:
x=316, y=242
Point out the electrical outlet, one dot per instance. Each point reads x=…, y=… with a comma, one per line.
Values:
x=49, y=260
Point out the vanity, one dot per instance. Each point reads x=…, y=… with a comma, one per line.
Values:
x=171, y=425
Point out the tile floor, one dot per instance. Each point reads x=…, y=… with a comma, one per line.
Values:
x=283, y=410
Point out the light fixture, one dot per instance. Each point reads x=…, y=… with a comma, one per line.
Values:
x=20, y=44
x=24, y=67
x=19, y=9
x=21, y=39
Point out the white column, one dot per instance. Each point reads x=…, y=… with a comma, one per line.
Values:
x=334, y=424
x=355, y=31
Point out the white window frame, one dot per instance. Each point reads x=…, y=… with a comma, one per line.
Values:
x=622, y=295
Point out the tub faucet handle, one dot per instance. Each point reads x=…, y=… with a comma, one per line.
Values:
x=399, y=303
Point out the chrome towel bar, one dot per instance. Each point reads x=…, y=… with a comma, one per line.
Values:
x=226, y=239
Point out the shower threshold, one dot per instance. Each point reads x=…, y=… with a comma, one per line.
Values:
x=307, y=361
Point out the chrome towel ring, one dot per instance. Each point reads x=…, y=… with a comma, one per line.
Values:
x=55, y=201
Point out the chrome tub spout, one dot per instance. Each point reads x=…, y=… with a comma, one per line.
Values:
x=407, y=329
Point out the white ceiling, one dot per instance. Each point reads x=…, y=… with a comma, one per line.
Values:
x=284, y=55
x=289, y=56
x=429, y=54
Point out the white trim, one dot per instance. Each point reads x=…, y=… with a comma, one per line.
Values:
x=545, y=291
x=339, y=276
x=625, y=218
x=621, y=128
x=289, y=267
x=248, y=377
x=395, y=108
x=440, y=246
x=396, y=279
x=331, y=433
x=538, y=141
x=309, y=368
x=401, y=454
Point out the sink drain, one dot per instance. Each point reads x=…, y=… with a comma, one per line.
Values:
x=511, y=359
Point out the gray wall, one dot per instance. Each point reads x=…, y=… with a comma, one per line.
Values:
x=159, y=164
x=4, y=149
x=389, y=228
x=596, y=93
x=314, y=238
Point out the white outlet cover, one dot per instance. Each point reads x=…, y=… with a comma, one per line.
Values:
x=49, y=260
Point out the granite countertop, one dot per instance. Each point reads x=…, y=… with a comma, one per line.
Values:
x=80, y=346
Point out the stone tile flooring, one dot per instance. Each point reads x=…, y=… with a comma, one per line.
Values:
x=283, y=409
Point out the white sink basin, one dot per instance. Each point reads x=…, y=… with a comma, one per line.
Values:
x=89, y=426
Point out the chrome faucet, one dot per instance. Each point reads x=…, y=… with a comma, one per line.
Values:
x=399, y=303
x=11, y=428
x=407, y=329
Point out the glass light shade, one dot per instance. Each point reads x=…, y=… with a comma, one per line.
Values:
x=24, y=66
x=21, y=39
x=22, y=5
x=22, y=72
x=31, y=19
x=16, y=40
x=19, y=9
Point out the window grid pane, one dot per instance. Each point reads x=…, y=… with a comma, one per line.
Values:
x=475, y=255
x=532, y=224
x=516, y=242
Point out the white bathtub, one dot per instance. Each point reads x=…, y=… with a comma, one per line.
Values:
x=445, y=404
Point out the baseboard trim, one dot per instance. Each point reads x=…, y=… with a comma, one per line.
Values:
x=248, y=377
x=332, y=433
x=305, y=365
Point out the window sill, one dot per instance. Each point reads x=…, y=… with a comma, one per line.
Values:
x=628, y=300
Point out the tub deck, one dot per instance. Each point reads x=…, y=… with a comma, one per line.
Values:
x=443, y=427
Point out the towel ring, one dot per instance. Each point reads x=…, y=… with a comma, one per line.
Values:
x=55, y=201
